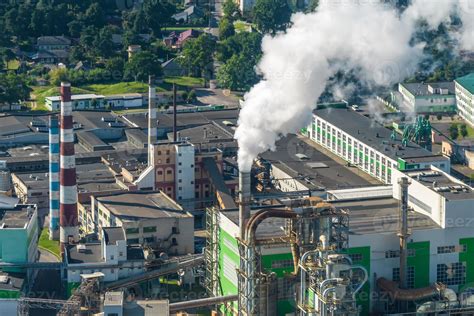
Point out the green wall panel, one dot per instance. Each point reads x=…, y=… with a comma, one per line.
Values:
x=421, y=262
x=468, y=258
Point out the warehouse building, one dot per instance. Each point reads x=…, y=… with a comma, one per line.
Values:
x=111, y=257
x=371, y=147
x=153, y=219
x=465, y=97
x=428, y=97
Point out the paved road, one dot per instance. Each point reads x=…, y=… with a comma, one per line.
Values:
x=216, y=97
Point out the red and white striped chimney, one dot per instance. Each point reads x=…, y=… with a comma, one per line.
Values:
x=68, y=222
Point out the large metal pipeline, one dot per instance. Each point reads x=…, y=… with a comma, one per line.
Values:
x=181, y=306
x=399, y=294
x=255, y=220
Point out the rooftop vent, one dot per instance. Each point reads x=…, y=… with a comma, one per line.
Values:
x=4, y=279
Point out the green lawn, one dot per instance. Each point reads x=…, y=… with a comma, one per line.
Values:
x=470, y=131
x=50, y=245
x=13, y=64
x=40, y=93
x=242, y=26
x=185, y=81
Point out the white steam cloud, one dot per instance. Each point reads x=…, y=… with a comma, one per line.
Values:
x=368, y=37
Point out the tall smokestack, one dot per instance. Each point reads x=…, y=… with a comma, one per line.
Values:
x=403, y=233
x=244, y=201
x=53, y=178
x=152, y=123
x=175, y=123
x=69, y=228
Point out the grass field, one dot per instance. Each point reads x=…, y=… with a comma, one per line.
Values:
x=12, y=65
x=40, y=93
x=470, y=131
x=185, y=81
x=50, y=245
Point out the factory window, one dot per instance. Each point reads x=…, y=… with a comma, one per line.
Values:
x=180, y=180
x=396, y=274
x=167, y=152
x=451, y=273
x=159, y=152
x=356, y=257
x=411, y=277
x=149, y=229
x=179, y=155
x=411, y=252
x=180, y=188
x=392, y=254
x=446, y=249
x=160, y=172
x=179, y=163
x=180, y=171
x=169, y=171
x=167, y=160
x=131, y=231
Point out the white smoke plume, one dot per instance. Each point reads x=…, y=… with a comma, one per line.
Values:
x=367, y=36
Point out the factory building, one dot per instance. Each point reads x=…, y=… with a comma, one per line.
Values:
x=428, y=97
x=439, y=249
x=152, y=219
x=465, y=97
x=369, y=146
x=111, y=257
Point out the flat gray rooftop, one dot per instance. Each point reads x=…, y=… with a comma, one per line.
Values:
x=84, y=253
x=331, y=176
x=374, y=135
x=371, y=216
x=18, y=217
x=94, y=119
x=443, y=185
x=421, y=89
x=184, y=120
x=113, y=234
x=90, y=178
x=11, y=281
x=379, y=216
x=137, y=205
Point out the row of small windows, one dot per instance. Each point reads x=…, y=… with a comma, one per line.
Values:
x=396, y=253
x=452, y=249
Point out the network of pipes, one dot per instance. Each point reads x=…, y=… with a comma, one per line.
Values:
x=317, y=234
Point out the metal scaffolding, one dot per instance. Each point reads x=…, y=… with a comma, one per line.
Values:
x=211, y=252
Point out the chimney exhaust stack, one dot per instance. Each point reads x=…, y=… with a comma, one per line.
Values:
x=69, y=227
x=403, y=233
x=152, y=123
x=244, y=201
x=53, y=178
x=175, y=121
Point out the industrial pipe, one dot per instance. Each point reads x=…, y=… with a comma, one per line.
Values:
x=180, y=306
x=399, y=294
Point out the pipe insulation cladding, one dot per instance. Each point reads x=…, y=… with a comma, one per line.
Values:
x=244, y=201
x=68, y=217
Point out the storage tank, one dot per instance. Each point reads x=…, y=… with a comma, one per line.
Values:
x=5, y=177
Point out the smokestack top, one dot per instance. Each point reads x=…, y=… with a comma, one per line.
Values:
x=65, y=92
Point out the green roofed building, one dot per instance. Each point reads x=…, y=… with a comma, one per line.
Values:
x=465, y=97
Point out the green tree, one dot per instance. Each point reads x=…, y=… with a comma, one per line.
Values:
x=58, y=75
x=141, y=65
x=271, y=16
x=115, y=67
x=13, y=88
x=226, y=28
x=453, y=131
x=157, y=13
x=463, y=130
x=197, y=54
x=237, y=74
x=231, y=10
x=248, y=44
